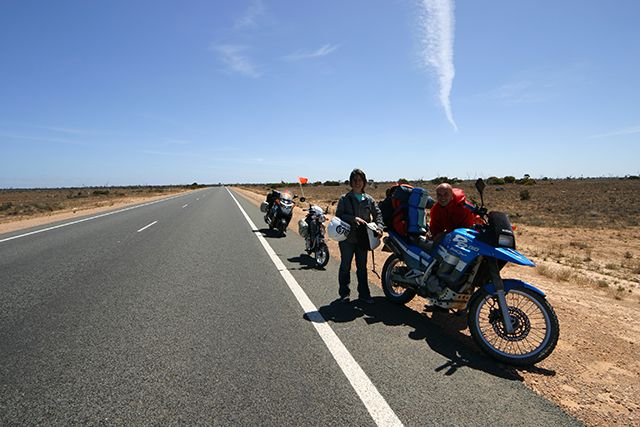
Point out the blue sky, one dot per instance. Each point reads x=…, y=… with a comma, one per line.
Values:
x=170, y=92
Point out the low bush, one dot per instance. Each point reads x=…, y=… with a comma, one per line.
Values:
x=444, y=179
x=493, y=180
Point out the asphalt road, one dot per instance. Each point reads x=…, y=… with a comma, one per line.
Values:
x=189, y=321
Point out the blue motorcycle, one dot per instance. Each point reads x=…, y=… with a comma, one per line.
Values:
x=509, y=319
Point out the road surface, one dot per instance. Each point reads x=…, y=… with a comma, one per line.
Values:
x=177, y=312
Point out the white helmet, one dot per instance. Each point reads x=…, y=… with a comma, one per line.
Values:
x=338, y=230
x=374, y=240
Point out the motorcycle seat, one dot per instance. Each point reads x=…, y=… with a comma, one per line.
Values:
x=421, y=242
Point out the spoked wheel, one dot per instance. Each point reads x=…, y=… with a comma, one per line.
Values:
x=322, y=255
x=535, y=326
x=395, y=292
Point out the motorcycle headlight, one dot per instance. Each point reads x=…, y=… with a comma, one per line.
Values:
x=506, y=240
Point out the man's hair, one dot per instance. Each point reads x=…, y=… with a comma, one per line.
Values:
x=360, y=173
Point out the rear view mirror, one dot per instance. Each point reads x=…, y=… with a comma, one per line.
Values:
x=480, y=186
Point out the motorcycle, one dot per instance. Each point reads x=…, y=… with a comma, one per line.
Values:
x=312, y=229
x=509, y=319
x=278, y=210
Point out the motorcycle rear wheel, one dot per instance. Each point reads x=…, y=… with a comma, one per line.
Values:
x=322, y=255
x=536, y=327
x=395, y=293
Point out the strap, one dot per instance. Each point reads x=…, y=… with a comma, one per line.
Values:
x=353, y=206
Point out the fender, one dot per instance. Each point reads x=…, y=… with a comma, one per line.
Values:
x=510, y=284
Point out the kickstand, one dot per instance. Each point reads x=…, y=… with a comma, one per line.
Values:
x=373, y=261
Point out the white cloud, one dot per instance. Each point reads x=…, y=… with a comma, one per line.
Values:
x=322, y=51
x=232, y=56
x=70, y=131
x=438, y=24
x=174, y=141
x=519, y=92
x=619, y=132
x=36, y=138
x=250, y=17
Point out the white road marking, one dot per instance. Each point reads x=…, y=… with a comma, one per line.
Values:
x=146, y=226
x=89, y=219
x=377, y=406
x=185, y=206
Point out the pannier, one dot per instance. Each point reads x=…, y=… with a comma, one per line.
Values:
x=403, y=209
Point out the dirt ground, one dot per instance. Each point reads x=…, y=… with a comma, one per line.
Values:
x=591, y=274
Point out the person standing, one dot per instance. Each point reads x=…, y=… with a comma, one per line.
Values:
x=357, y=209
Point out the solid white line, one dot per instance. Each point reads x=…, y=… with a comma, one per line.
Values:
x=146, y=226
x=377, y=406
x=185, y=206
x=89, y=219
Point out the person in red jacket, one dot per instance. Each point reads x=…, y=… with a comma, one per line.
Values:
x=450, y=213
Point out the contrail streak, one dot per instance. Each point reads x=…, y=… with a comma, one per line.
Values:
x=438, y=25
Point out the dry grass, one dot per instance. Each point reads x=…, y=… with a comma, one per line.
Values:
x=556, y=273
x=590, y=203
x=22, y=204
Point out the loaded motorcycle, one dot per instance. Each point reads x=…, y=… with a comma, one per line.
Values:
x=509, y=319
x=312, y=229
x=278, y=210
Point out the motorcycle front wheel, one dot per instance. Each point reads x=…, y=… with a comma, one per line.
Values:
x=282, y=227
x=322, y=255
x=395, y=292
x=535, y=326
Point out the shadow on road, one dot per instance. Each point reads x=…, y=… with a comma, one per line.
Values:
x=271, y=234
x=441, y=331
x=306, y=263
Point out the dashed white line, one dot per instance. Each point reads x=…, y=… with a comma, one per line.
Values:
x=185, y=206
x=88, y=219
x=146, y=226
x=377, y=406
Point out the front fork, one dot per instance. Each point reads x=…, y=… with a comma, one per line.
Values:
x=502, y=300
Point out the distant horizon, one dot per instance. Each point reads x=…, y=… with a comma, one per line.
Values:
x=311, y=182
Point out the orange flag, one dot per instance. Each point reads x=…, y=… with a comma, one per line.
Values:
x=302, y=180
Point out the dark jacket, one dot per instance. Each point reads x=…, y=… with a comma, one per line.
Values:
x=366, y=209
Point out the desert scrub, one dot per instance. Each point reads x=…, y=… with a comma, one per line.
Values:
x=561, y=274
x=578, y=244
x=544, y=270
